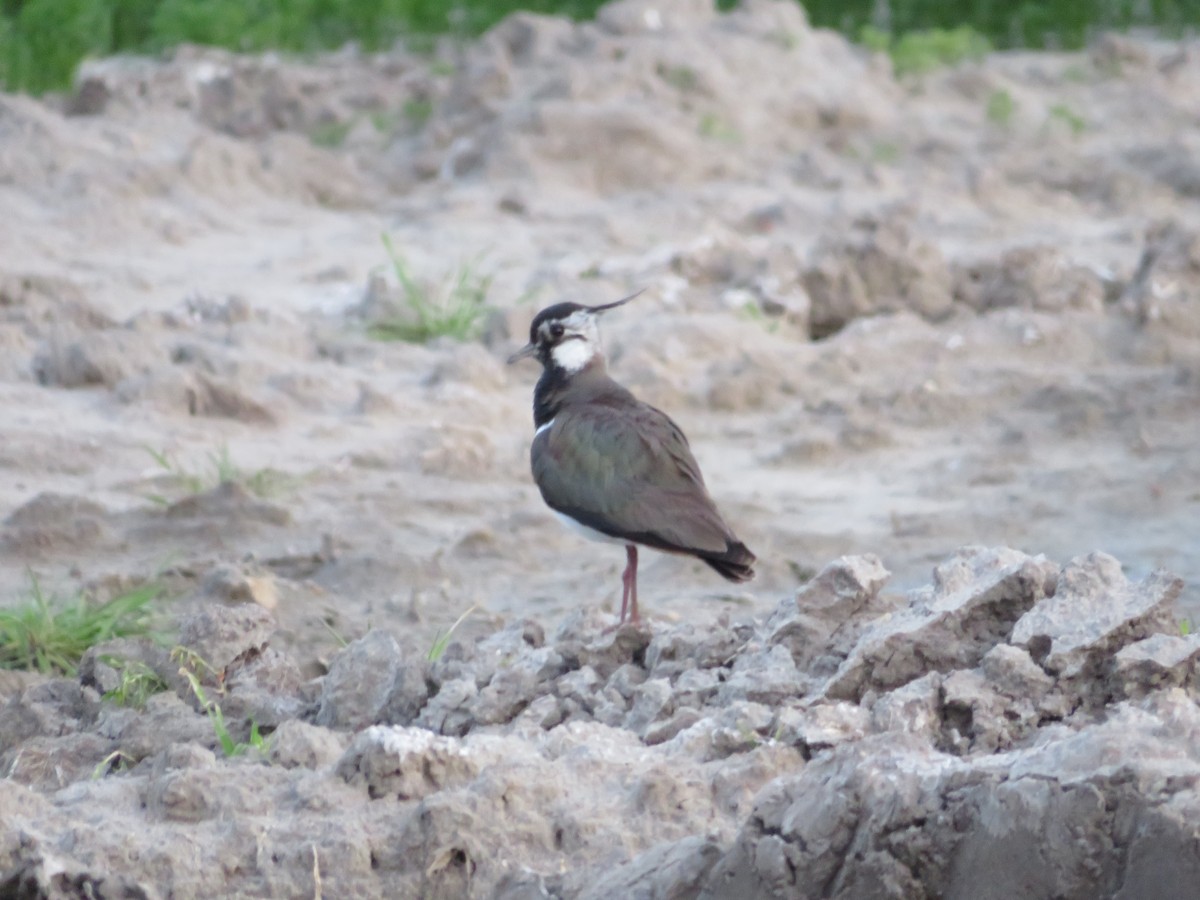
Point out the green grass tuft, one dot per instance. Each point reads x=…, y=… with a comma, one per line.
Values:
x=1000, y=108
x=455, y=309
x=801, y=572
x=884, y=152
x=330, y=135
x=713, y=126
x=117, y=761
x=755, y=313
x=138, y=683
x=442, y=640
x=1060, y=112
x=683, y=78
x=417, y=111
x=875, y=39
x=190, y=662
x=184, y=481
x=920, y=51
x=50, y=637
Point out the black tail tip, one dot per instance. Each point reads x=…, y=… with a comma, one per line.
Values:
x=736, y=564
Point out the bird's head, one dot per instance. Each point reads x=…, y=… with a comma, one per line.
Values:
x=566, y=336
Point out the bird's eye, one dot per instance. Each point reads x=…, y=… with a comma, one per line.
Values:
x=556, y=329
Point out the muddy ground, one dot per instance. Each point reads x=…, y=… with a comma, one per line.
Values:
x=895, y=318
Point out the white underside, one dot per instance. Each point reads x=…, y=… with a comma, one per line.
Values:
x=590, y=534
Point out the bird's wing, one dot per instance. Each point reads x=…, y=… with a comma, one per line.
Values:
x=628, y=472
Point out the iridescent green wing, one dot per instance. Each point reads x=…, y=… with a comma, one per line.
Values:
x=627, y=471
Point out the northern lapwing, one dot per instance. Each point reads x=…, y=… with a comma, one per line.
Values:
x=614, y=468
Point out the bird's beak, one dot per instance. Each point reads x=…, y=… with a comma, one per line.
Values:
x=607, y=306
x=524, y=353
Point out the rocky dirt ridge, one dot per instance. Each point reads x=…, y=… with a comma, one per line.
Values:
x=1015, y=728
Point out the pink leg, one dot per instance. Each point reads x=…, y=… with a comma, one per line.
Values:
x=624, y=595
x=629, y=579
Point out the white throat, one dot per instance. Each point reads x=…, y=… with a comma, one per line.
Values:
x=572, y=355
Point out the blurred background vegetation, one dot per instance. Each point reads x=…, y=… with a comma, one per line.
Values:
x=42, y=41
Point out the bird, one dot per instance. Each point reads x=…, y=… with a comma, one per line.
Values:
x=612, y=467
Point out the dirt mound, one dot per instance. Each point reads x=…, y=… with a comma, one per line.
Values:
x=884, y=270
x=545, y=101
x=94, y=174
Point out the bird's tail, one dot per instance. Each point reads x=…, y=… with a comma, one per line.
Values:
x=736, y=563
